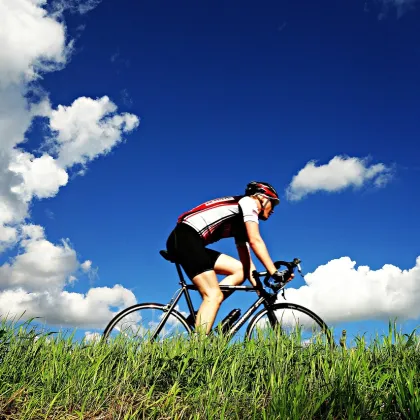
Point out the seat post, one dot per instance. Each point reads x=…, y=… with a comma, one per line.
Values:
x=181, y=276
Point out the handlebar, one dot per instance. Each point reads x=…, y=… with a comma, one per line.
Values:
x=290, y=269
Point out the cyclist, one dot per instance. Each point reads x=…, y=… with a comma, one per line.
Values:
x=234, y=216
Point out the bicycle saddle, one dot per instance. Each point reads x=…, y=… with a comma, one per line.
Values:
x=168, y=257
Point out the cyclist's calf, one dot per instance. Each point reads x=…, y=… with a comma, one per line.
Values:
x=208, y=286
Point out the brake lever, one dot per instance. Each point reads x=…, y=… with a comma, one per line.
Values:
x=290, y=269
x=299, y=269
x=296, y=262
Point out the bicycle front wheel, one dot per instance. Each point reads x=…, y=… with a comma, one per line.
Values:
x=290, y=322
x=140, y=323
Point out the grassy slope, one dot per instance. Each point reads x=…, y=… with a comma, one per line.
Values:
x=55, y=377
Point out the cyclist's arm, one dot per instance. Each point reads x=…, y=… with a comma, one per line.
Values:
x=258, y=246
x=246, y=260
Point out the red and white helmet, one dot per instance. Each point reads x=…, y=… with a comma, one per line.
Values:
x=263, y=188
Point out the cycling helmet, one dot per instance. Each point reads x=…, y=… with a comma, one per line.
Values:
x=263, y=188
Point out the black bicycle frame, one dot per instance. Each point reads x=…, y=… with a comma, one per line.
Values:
x=263, y=299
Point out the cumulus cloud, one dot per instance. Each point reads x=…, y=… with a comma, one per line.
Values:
x=340, y=291
x=29, y=49
x=41, y=177
x=33, y=282
x=87, y=129
x=41, y=265
x=90, y=310
x=339, y=173
x=27, y=52
x=35, y=279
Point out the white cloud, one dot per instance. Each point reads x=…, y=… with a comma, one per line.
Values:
x=338, y=291
x=72, y=279
x=33, y=41
x=12, y=208
x=41, y=177
x=34, y=282
x=90, y=310
x=339, y=173
x=28, y=51
x=8, y=235
x=15, y=117
x=87, y=129
x=41, y=266
x=86, y=266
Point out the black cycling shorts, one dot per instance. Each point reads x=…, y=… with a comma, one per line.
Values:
x=186, y=245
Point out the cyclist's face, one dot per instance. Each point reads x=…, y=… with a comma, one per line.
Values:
x=268, y=210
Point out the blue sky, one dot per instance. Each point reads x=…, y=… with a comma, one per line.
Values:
x=208, y=97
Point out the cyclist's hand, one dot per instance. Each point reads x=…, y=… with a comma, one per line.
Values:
x=290, y=278
x=280, y=279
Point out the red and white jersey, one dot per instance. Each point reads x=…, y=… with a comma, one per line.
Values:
x=222, y=218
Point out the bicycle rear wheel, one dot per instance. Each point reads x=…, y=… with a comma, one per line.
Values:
x=140, y=322
x=292, y=322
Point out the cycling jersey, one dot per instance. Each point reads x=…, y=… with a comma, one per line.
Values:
x=222, y=218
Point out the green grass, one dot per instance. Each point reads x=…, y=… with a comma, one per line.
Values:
x=56, y=377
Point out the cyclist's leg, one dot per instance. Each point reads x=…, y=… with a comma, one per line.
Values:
x=198, y=263
x=232, y=268
x=208, y=286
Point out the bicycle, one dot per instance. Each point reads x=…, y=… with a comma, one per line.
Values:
x=168, y=321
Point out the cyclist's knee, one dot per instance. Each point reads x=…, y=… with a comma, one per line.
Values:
x=239, y=271
x=238, y=276
x=214, y=296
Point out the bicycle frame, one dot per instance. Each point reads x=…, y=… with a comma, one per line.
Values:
x=263, y=299
x=268, y=299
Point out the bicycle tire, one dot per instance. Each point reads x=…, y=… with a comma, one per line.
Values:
x=297, y=309
x=159, y=308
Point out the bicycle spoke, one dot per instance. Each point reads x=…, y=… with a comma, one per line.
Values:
x=291, y=324
x=141, y=324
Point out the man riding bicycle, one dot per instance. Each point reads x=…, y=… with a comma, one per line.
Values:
x=237, y=217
